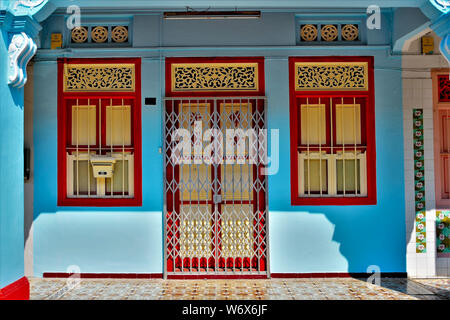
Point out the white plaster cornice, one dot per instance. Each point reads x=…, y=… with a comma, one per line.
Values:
x=21, y=49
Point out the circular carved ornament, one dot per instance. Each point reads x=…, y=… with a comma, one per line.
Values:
x=99, y=34
x=308, y=32
x=329, y=32
x=79, y=34
x=119, y=34
x=349, y=32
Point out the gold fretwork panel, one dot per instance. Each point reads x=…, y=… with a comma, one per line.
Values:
x=99, y=77
x=237, y=231
x=214, y=77
x=331, y=76
x=195, y=232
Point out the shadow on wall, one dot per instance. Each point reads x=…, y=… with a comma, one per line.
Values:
x=301, y=242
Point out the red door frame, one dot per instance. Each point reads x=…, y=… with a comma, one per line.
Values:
x=171, y=265
x=371, y=198
x=63, y=133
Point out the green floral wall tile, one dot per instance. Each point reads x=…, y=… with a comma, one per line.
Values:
x=443, y=232
x=419, y=181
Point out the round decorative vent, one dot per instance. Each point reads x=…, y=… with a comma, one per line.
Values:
x=79, y=34
x=119, y=34
x=329, y=32
x=349, y=32
x=308, y=32
x=99, y=34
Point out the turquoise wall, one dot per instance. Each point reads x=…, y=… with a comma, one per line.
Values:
x=97, y=240
x=302, y=239
x=341, y=238
x=11, y=175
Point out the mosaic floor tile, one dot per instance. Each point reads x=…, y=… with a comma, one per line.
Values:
x=273, y=289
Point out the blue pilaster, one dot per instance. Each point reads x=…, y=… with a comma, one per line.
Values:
x=18, y=27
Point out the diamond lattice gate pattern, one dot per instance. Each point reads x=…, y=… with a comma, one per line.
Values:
x=215, y=187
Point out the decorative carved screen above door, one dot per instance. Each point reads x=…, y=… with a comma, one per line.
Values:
x=215, y=205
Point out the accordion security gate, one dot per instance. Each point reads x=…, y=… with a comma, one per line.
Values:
x=215, y=202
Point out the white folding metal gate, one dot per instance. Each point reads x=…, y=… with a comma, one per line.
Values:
x=215, y=189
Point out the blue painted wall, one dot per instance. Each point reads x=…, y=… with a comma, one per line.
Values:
x=97, y=240
x=11, y=175
x=341, y=238
x=302, y=239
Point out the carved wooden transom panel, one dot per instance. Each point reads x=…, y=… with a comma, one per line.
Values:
x=331, y=76
x=99, y=77
x=214, y=77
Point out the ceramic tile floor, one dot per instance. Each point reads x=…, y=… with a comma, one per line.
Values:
x=283, y=289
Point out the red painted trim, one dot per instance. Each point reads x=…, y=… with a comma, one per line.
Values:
x=310, y=275
x=18, y=290
x=440, y=109
x=173, y=198
x=261, y=79
x=336, y=275
x=105, y=275
x=371, y=198
x=63, y=133
x=224, y=276
x=216, y=276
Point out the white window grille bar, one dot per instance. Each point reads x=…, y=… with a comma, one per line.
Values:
x=173, y=227
x=216, y=217
x=320, y=146
x=178, y=123
x=111, y=142
x=247, y=120
x=444, y=150
x=307, y=145
x=99, y=135
x=332, y=187
x=332, y=159
x=331, y=122
x=343, y=145
x=446, y=158
x=78, y=171
x=249, y=116
x=354, y=142
x=185, y=117
x=257, y=203
x=123, y=149
x=79, y=153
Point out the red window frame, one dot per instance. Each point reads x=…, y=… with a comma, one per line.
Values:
x=441, y=109
x=64, y=131
x=367, y=131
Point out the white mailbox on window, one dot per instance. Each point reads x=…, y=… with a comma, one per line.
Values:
x=103, y=166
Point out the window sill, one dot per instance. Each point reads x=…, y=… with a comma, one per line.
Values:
x=334, y=201
x=103, y=202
